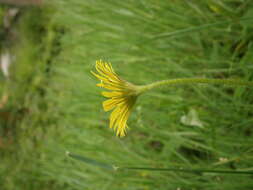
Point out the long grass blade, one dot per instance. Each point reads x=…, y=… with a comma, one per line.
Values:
x=196, y=171
x=190, y=170
x=196, y=28
x=90, y=161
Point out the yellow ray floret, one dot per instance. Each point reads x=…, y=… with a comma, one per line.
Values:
x=122, y=96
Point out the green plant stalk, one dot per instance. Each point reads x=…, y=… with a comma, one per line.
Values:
x=120, y=168
x=184, y=81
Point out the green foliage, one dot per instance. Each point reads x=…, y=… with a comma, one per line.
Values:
x=146, y=41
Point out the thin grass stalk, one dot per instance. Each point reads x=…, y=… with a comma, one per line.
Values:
x=121, y=168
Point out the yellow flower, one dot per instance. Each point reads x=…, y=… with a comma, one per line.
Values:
x=122, y=96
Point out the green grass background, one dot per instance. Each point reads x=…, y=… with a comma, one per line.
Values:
x=57, y=107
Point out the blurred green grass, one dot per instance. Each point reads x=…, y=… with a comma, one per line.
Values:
x=59, y=44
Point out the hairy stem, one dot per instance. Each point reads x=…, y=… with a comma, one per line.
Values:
x=183, y=81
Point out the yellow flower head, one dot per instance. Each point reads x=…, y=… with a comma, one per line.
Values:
x=122, y=96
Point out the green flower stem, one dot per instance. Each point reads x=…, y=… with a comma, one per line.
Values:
x=184, y=81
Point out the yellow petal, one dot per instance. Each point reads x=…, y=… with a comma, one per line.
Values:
x=121, y=123
x=107, y=66
x=112, y=94
x=99, y=76
x=104, y=72
x=110, y=66
x=111, y=103
x=118, y=117
x=109, y=87
x=106, y=80
x=121, y=126
x=114, y=116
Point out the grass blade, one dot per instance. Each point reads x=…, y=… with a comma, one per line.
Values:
x=196, y=171
x=195, y=28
